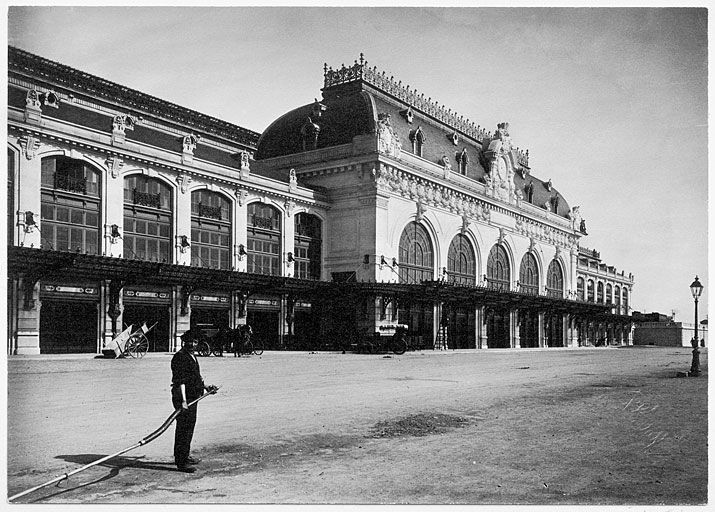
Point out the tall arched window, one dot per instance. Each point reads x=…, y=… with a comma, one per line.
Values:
x=70, y=205
x=617, y=298
x=609, y=294
x=210, y=230
x=579, y=288
x=599, y=292
x=416, y=258
x=498, y=271
x=418, y=139
x=625, y=300
x=147, y=219
x=555, y=280
x=590, y=290
x=308, y=246
x=529, y=275
x=11, y=166
x=463, y=161
x=264, y=239
x=461, y=262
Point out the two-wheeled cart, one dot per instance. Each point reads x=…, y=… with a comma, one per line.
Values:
x=131, y=342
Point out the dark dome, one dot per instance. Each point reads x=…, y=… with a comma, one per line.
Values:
x=344, y=117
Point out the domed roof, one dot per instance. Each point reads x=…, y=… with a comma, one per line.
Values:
x=339, y=118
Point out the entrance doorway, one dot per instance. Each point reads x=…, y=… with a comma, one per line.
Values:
x=159, y=336
x=461, y=328
x=554, y=330
x=498, y=328
x=265, y=326
x=419, y=318
x=528, y=329
x=68, y=327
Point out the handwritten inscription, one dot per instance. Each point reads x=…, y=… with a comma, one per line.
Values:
x=642, y=420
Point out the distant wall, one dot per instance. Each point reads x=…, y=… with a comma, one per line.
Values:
x=670, y=334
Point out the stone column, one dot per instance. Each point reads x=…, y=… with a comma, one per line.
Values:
x=541, y=330
x=289, y=241
x=28, y=317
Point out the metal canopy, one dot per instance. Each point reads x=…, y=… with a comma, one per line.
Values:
x=46, y=264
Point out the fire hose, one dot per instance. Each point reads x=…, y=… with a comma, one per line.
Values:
x=145, y=440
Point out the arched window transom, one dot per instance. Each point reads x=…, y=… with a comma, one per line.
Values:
x=555, y=280
x=264, y=239
x=210, y=230
x=498, y=271
x=461, y=262
x=416, y=258
x=308, y=246
x=529, y=275
x=148, y=219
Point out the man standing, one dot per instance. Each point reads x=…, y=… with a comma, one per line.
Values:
x=186, y=386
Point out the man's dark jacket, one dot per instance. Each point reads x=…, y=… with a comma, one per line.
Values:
x=185, y=370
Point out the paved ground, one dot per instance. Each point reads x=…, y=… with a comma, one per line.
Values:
x=585, y=426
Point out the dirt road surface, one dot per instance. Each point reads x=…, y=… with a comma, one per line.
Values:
x=558, y=426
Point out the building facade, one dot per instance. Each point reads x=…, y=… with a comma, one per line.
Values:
x=371, y=207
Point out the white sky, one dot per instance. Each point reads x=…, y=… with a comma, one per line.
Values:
x=611, y=103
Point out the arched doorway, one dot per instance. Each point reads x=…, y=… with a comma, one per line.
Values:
x=529, y=318
x=416, y=264
x=554, y=323
x=498, y=278
x=461, y=318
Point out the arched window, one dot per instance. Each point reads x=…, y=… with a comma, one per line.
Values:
x=555, y=280
x=416, y=258
x=463, y=161
x=609, y=294
x=418, y=139
x=590, y=290
x=147, y=219
x=529, y=275
x=498, y=271
x=308, y=246
x=11, y=166
x=210, y=230
x=70, y=205
x=599, y=293
x=264, y=239
x=617, y=298
x=625, y=300
x=461, y=262
x=579, y=288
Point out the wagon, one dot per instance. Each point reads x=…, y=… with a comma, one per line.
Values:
x=131, y=342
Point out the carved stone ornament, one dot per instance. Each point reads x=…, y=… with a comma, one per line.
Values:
x=289, y=206
x=408, y=114
x=500, y=166
x=388, y=141
x=183, y=180
x=395, y=181
x=189, y=142
x=446, y=164
x=29, y=145
x=33, y=99
x=421, y=209
x=540, y=232
x=502, y=236
x=182, y=242
x=50, y=99
x=575, y=216
x=532, y=244
x=465, y=224
x=112, y=233
x=123, y=122
x=293, y=181
x=558, y=253
x=241, y=196
x=548, y=185
x=454, y=137
x=114, y=164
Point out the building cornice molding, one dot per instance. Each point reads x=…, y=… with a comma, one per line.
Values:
x=38, y=68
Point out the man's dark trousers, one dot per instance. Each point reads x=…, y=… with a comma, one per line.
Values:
x=185, y=422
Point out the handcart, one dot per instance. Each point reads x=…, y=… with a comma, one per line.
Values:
x=130, y=342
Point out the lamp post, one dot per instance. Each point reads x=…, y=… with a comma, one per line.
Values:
x=696, y=289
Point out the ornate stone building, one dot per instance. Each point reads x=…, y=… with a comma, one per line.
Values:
x=371, y=207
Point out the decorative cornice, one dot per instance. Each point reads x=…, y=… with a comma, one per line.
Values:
x=26, y=63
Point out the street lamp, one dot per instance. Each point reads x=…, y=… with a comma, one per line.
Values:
x=696, y=289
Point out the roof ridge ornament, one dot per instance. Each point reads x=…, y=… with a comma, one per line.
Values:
x=360, y=71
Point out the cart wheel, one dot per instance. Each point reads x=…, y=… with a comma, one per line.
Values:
x=129, y=347
x=399, y=347
x=247, y=347
x=203, y=349
x=217, y=349
x=140, y=346
x=258, y=348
